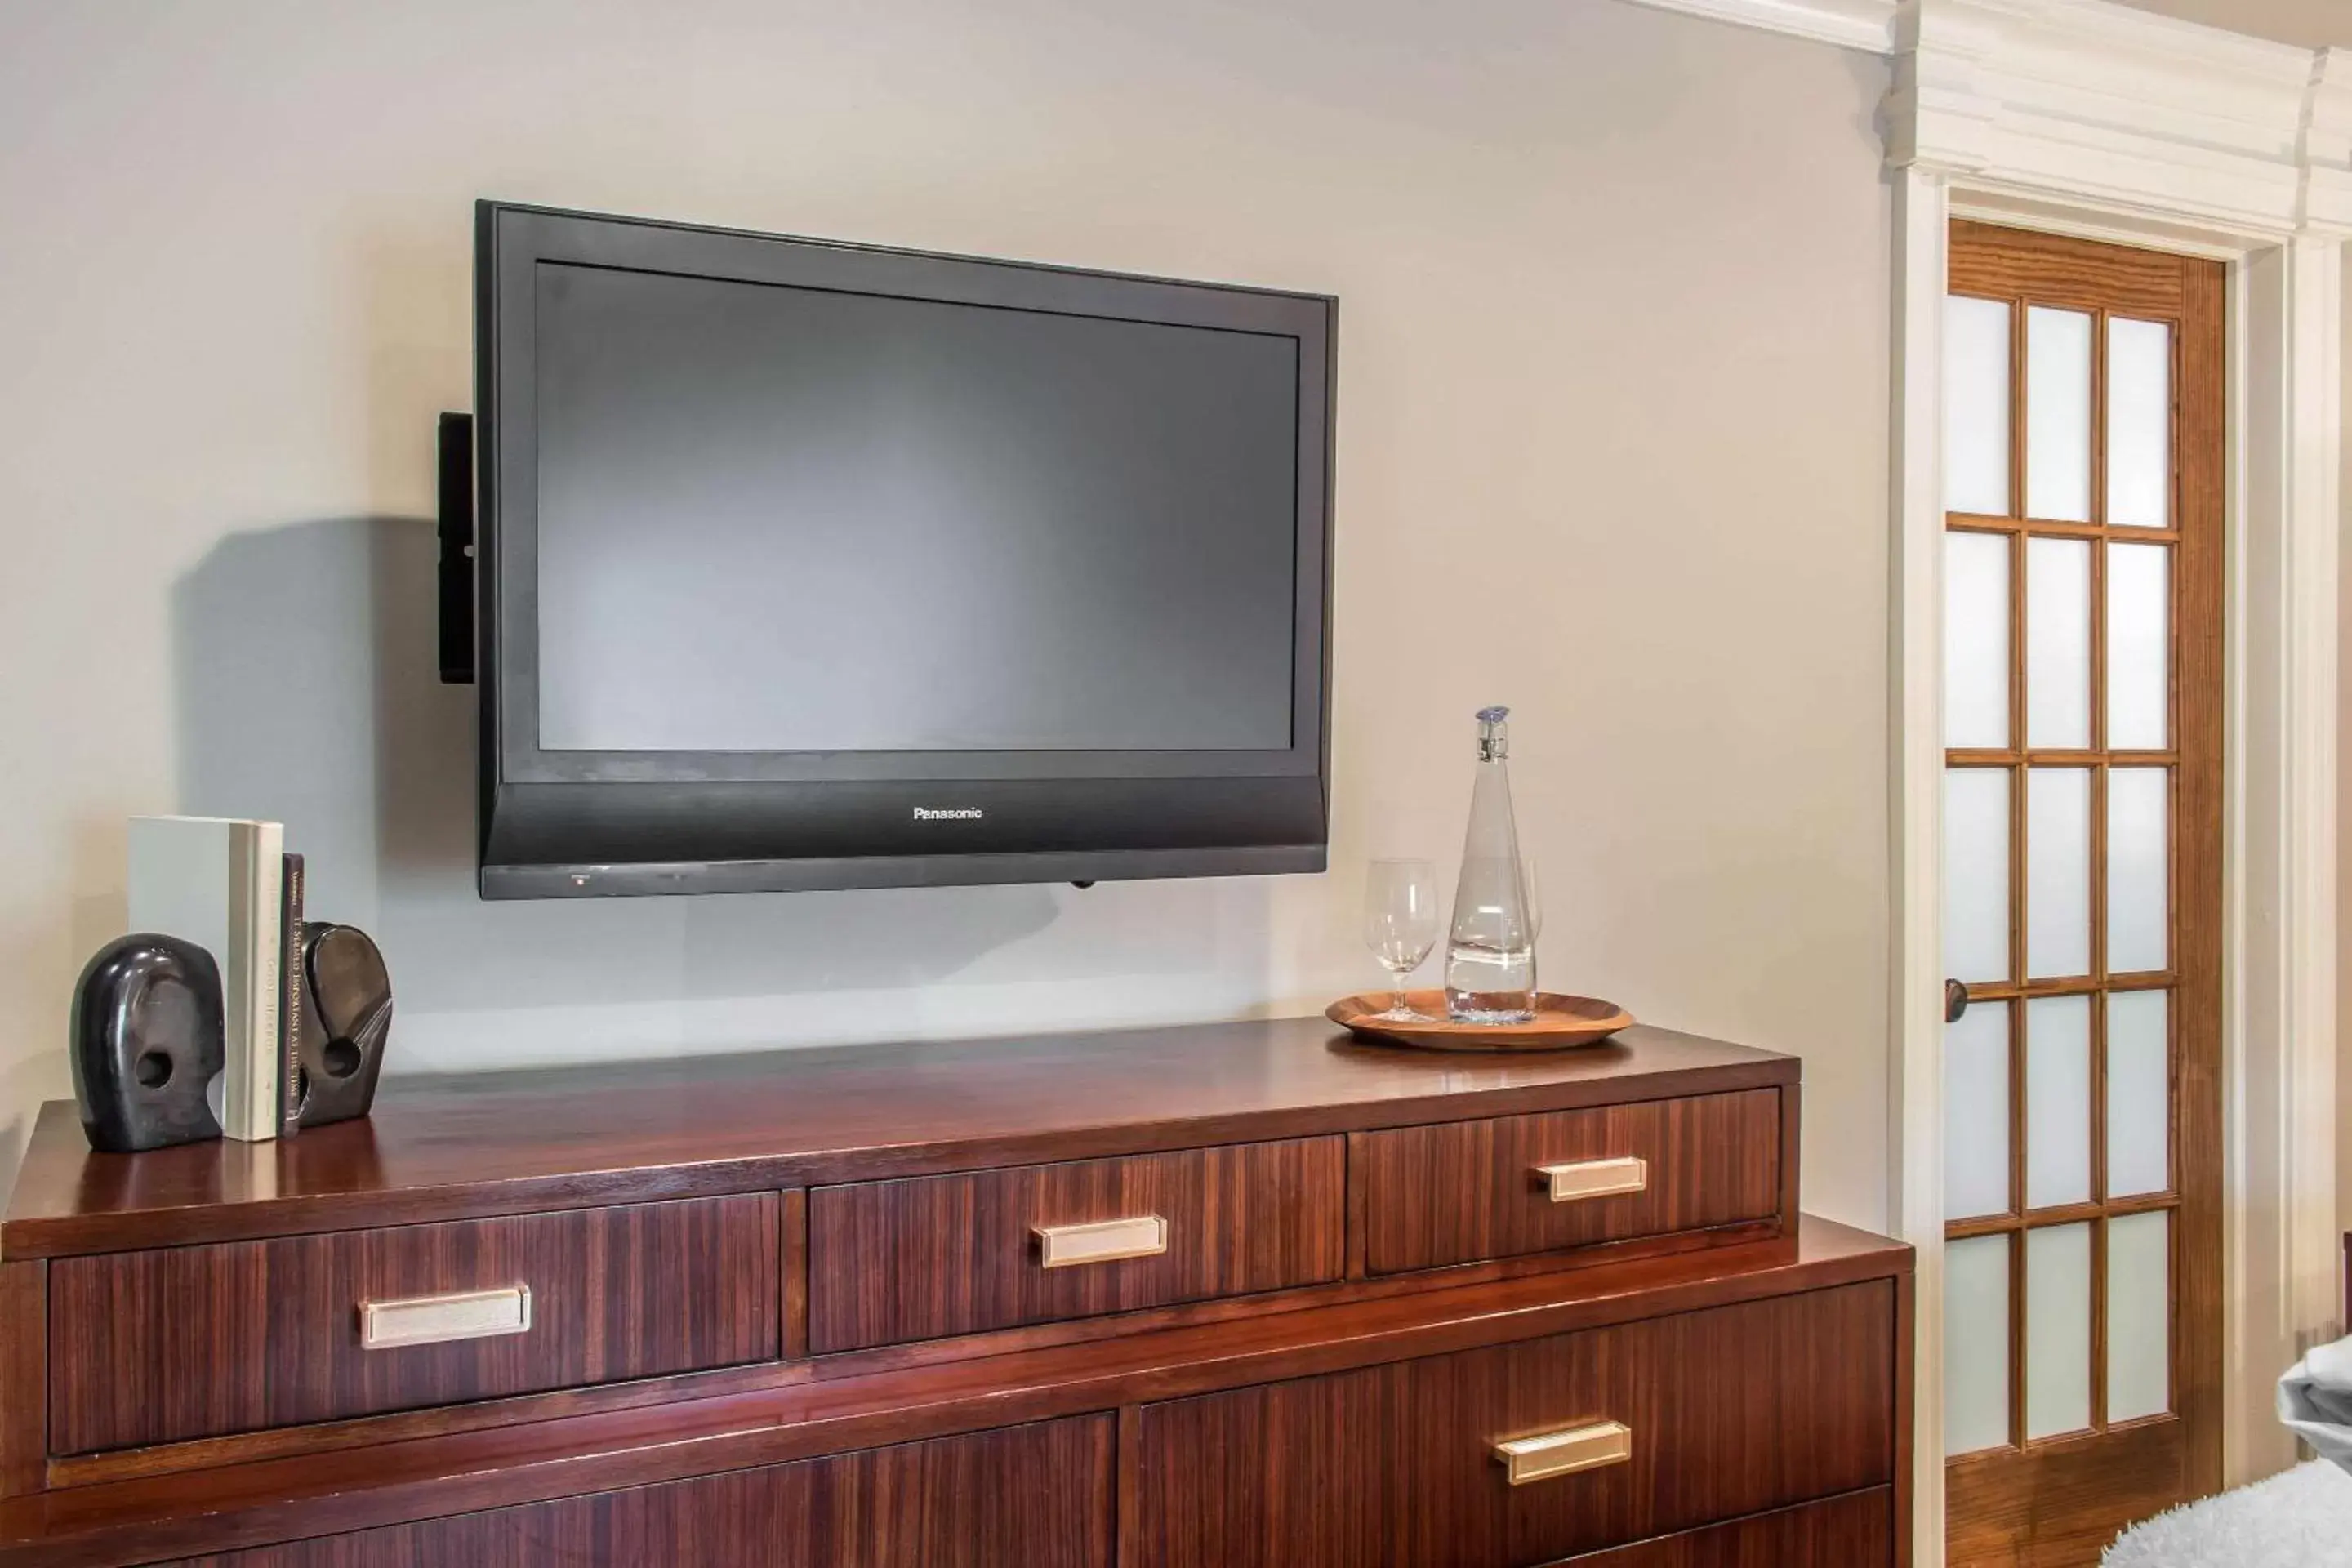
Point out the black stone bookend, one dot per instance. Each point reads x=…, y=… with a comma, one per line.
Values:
x=148, y=1037
x=346, y=1021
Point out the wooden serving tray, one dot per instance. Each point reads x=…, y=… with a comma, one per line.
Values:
x=1560, y=1022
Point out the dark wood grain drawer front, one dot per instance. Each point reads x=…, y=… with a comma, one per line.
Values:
x=1026, y=1497
x=196, y=1341
x=933, y=1255
x=1856, y=1531
x=1465, y=1191
x=1727, y=1412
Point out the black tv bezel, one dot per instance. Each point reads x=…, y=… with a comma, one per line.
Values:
x=573, y=823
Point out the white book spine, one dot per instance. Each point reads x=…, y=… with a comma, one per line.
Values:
x=214, y=881
x=251, y=1103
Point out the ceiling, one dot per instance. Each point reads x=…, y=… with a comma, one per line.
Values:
x=2312, y=24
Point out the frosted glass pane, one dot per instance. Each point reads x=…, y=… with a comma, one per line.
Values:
x=2140, y=646
x=2139, y=1316
x=2057, y=1101
x=2139, y=1077
x=1976, y=1112
x=2057, y=1329
x=1976, y=873
x=1976, y=1344
x=2058, y=643
x=1976, y=406
x=2139, y=423
x=2057, y=873
x=1976, y=640
x=2057, y=414
x=2139, y=921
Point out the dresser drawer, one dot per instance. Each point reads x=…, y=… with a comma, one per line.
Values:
x=196, y=1341
x=1856, y=1531
x=1024, y=1497
x=1463, y=1191
x=933, y=1255
x=1397, y=1467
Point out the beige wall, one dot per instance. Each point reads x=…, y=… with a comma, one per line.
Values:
x=2343, y=805
x=1612, y=448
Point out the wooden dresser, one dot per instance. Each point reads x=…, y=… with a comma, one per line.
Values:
x=1214, y=1297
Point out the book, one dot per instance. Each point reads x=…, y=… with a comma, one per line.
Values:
x=217, y=881
x=291, y=1083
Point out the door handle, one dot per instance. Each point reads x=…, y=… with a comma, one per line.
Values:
x=1955, y=1001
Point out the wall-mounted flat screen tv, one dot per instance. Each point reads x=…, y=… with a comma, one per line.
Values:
x=804, y=564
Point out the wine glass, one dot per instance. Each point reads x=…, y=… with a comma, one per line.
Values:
x=1400, y=924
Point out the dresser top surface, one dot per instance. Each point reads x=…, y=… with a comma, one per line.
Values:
x=446, y=1147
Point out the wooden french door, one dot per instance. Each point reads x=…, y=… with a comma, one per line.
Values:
x=2084, y=443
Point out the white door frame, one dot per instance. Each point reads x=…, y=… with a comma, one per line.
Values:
x=2088, y=118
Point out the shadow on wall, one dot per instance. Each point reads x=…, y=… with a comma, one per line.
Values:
x=306, y=690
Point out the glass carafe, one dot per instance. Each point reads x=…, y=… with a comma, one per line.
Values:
x=1490, y=959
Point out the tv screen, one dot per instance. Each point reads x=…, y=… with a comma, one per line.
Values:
x=808, y=566
x=775, y=519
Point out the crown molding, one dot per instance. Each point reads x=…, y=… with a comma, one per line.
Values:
x=2099, y=103
x=2325, y=150
x=1849, y=24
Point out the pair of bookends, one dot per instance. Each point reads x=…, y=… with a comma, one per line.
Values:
x=148, y=1036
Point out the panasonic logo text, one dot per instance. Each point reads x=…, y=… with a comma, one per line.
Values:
x=950, y=813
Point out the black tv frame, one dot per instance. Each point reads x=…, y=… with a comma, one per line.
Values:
x=584, y=824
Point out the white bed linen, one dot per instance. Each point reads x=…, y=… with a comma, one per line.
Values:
x=2301, y=1518
x=2314, y=1401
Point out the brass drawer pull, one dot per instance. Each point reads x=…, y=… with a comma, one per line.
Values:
x=439, y=1319
x=1103, y=1241
x=1565, y=1452
x=1595, y=1178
